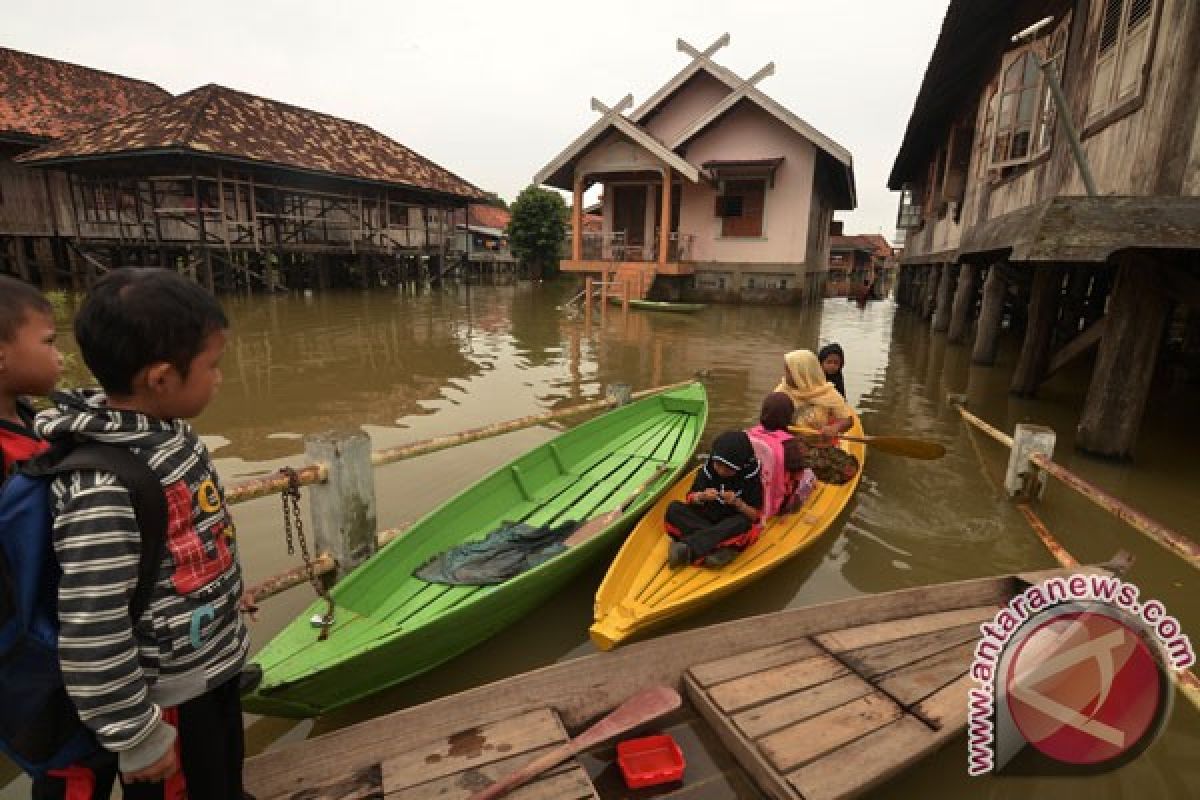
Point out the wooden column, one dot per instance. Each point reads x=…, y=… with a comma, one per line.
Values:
x=933, y=276
x=991, y=312
x=964, y=304
x=577, y=220
x=1045, y=296
x=1116, y=399
x=945, y=292
x=664, y=225
x=22, y=260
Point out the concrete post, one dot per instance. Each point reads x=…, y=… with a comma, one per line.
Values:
x=343, y=508
x=1022, y=477
x=622, y=393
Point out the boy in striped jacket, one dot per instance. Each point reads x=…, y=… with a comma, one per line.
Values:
x=160, y=692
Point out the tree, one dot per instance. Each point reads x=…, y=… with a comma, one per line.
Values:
x=493, y=199
x=535, y=231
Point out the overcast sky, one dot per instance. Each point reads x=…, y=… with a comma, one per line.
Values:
x=492, y=91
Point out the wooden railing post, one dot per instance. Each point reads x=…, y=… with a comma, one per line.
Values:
x=1022, y=477
x=343, y=508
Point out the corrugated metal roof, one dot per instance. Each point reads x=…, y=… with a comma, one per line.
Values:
x=218, y=121
x=42, y=98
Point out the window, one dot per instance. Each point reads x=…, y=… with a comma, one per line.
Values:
x=740, y=207
x=1121, y=55
x=1022, y=111
x=909, y=214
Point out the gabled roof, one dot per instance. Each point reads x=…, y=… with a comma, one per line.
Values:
x=484, y=216
x=42, y=98
x=219, y=122
x=559, y=171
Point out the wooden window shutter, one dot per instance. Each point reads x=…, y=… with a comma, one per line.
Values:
x=1134, y=46
x=751, y=194
x=1106, y=57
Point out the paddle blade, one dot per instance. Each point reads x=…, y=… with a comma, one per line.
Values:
x=592, y=527
x=645, y=706
x=909, y=448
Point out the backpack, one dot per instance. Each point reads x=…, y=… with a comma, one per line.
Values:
x=39, y=727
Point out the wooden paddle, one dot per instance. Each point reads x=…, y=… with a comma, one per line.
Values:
x=896, y=445
x=643, y=707
x=593, y=526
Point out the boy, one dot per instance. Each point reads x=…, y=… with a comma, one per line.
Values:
x=160, y=692
x=30, y=364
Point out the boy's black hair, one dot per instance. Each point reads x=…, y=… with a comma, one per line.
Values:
x=18, y=298
x=794, y=455
x=134, y=317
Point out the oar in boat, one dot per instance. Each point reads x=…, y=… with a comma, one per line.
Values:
x=896, y=445
x=643, y=707
x=594, y=526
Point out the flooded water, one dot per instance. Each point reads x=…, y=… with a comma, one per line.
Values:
x=406, y=367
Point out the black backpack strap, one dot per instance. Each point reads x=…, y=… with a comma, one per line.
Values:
x=149, y=505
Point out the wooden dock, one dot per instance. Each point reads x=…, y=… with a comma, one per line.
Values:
x=830, y=716
x=821, y=702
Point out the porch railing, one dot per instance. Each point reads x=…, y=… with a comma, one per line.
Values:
x=615, y=247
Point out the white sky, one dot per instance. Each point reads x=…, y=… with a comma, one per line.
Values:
x=492, y=91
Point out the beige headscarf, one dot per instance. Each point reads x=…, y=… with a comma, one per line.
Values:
x=817, y=400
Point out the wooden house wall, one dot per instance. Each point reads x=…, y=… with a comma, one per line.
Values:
x=1153, y=150
x=25, y=207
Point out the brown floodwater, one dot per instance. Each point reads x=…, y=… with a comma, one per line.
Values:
x=408, y=366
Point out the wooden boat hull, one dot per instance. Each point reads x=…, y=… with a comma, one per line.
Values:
x=390, y=626
x=657, y=305
x=713, y=666
x=641, y=592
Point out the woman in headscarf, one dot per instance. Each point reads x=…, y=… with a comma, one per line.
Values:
x=818, y=404
x=721, y=512
x=832, y=361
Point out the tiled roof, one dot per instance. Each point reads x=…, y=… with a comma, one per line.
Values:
x=218, y=121
x=593, y=223
x=44, y=99
x=858, y=242
x=489, y=216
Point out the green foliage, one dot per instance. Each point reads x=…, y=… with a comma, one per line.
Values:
x=535, y=232
x=493, y=199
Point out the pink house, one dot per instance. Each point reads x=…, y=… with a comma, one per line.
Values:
x=745, y=213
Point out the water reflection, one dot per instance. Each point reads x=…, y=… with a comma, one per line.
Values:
x=406, y=367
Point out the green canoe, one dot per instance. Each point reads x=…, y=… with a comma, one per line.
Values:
x=390, y=626
x=657, y=305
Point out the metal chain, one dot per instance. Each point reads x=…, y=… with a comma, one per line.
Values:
x=294, y=521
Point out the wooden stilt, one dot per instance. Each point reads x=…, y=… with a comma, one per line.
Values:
x=933, y=277
x=1116, y=399
x=945, y=293
x=991, y=312
x=1045, y=295
x=964, y=304
x=22, y=261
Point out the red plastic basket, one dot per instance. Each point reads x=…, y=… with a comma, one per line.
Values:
x=650, y=761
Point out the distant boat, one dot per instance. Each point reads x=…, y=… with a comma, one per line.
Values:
x=659, y=305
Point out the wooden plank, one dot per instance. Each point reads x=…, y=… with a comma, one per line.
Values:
x=762, y=720
x=472, y=748
x=363, y=783
x=873, y=661
x=865, y=763
x=754, y=661
x=750, y=690
x=1082, y=343
x=917, y=681
x=744, y=751
x=567, y=781
x=890, y=631
x=610, y=678
x=947, y=707
x=807, y=741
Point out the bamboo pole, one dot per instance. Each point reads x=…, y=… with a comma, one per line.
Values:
x=1160, y=534
x=319, y=473
x=405, y=451
x=323, y=564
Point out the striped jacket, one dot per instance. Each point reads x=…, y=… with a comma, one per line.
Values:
x=190, y=639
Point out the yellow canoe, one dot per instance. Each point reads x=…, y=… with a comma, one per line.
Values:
x=640, y=591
